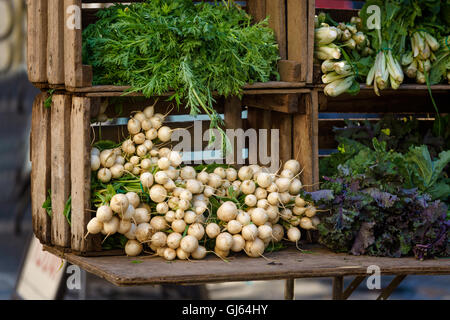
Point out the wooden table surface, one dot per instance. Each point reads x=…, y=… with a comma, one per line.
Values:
x=286, y=264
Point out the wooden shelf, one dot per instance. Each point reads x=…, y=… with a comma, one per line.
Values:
x=288, y=263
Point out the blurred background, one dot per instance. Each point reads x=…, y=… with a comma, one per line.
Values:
x=16, y=97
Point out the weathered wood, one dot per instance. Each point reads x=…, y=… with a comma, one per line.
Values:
x=55, y=45
x=276, y=10
x=386, y=293
x=260, y=120
x=233, y=120
x=76, y=75
x=289, y=70
x=311, y=25
x=352, y=287
x=338, y=287
x=41, y=168
x=306, y=149
x=81, y=176
x=37, y=40
x=289, y=289
x=283, y=123
x=283, y=103
x=289, y=263
x=297, y=34
x=60, y=159
x=257, y=9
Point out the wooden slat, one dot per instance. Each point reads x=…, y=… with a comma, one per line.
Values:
x=60, y=135
x=297, y=34
x=55, y=47
x=81, y=176
x=37, y=40
x=233, y=120
x=276, y=10
x=311, y=23
x=283, y=103
x=305, y=132
x=76, y=75
x=41, y=168
x=257, y=9
x=290, y=70
x=283, y=123
x=291, y=264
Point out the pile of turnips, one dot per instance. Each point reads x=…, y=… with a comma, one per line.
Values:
x=178, y=212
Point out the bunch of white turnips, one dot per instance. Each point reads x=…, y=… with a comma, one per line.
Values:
x=182, y=220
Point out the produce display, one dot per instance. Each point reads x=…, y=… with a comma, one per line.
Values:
x=412, y=38
x=145, y=200
x=385, y=202
x=179, y=46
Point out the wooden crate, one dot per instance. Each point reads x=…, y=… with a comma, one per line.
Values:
x=55, y=50
x=62, y=136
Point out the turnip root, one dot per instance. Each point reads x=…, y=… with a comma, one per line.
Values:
x=264, y=179
x=283, y=184
x=133, y=248
x=104, y=175
x=212, y=230
x=178, y=226
x=299, y=202
x=161, y=177
x=238, y=243
x=175, y=159
x=165, y=134
x=124, y=226
x=245, y=173
x=190, y=217
x=298, y=211
x=250, y=200
x=295, y=187
x=310, y=211
x=141, y=150
x=179, y=214
x=139, y=138
x=117, y=171
x=146, y=125
x=227, y=211
x=234, y=227
x=169, y=254
x=286, y=214
x=189, y=244
x=255, y=248
x=203, y=177
x=293, y=234
x=158, y=193
x=151, y=134
x=131, y=234
x=264, y=232
x=170, y=216
x=243, y=217
x=272, y=187
x=149, y=112
x=224, y=241
x=182, y=255
x=173, y=240
x=112, y=226
x=128, y=167
x=220, y=172
x=194, y=186
x=104, y=214
x=158, y=223
x=95, y=162
x=133, y=199
x=250, y=232
x=139, y=116
x=214, y=180
x=208, y=191
x=199, y=253
x=95, y=226
x=248, y=187
x=134, y=126
x=141, y=215
x=107, y=158
x=196, y=230
x=146, y=179
x=287, y=174
x=277, y=232
x=162, y=208
x=273, y=198
x=293, y=166
x=95, y=152
x=128, y=147
x=159, y=239
x=259, y=216
x=184, y=204
x=163, y=163
x=187, y=173
x=306, y=223
x=119, y=203
x=260, y=193
x=231, y=174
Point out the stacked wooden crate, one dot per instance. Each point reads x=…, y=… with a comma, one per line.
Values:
x=62, y=134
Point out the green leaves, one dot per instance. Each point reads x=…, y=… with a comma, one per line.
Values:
x=47, y=205
x=176, y=45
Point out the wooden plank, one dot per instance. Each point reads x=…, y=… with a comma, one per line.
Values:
x=311, y=24
x=283, y=123
x=297, y=34
x=260, y=119
x=289, y=70
x=41, y=168
x=305, y=132
x=289, y=289
x=55, y=47
x=283, y=103
x=37, y=40
x=81, y=176
x=276, y=10
x=257, y=9
x=338, y=287
x=233, y=120
x=76, y=74
x=352, y=287
x=60, y=186
x=290, y=263
x=391, y=287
